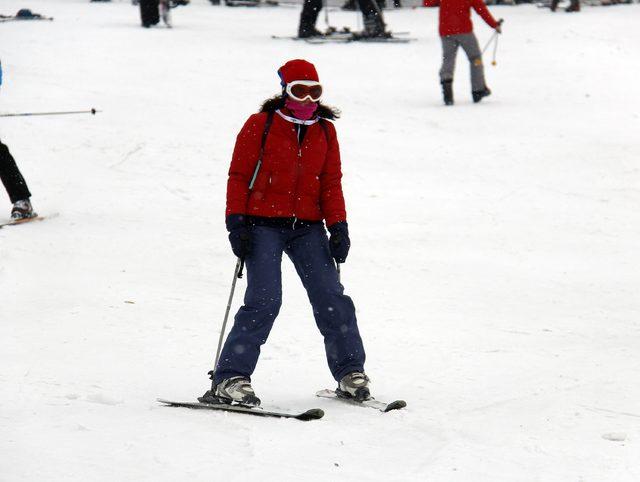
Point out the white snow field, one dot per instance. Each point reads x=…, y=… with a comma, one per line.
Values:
x=495, y=263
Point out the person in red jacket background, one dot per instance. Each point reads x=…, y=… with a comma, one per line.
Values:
x=456, y=30
x=285, y=179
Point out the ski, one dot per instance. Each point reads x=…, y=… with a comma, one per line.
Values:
x=371, y=403
x=15, y=222
x=312, y=414
x=346, y=38
x=242, y=3
x=24, y=14
x=12, y=18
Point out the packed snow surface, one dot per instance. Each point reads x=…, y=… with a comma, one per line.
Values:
x=495, y=263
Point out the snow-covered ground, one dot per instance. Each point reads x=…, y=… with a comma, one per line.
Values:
x=495, y=262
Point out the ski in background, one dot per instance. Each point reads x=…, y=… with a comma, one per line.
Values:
x=15, y=222
x=371, y=402
x=24, y=14
x=256, y=3
x=348, y=38
x=311, y=414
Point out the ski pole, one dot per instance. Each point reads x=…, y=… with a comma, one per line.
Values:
x=338, y=269
x=26, y=114
x=237, y=274
x=491, y=39
x=495, y=50
x=495, y=45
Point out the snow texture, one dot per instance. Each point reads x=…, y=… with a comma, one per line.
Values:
x=495, y=264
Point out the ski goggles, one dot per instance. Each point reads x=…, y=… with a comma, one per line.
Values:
x=302, y=90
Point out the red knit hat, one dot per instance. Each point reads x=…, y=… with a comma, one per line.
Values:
x=297, y=69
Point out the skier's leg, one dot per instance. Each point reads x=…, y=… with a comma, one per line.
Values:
x=145, y=12
x=308, y=17
x=449, y=53
x=165, y=12
x=374, y=25
x=469, y=44
x=155, y=12
x=149, y=12
x=11, y=177
x=262, y=302
x=334, y=312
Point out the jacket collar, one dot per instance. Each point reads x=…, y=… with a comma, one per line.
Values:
x=295, y=120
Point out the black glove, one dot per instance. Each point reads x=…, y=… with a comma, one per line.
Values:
x=239, y=235
x=339, y=242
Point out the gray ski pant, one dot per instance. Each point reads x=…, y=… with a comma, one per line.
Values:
x=469, y=44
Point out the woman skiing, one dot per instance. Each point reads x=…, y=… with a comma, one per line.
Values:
x=284, y=180
x=14, y=183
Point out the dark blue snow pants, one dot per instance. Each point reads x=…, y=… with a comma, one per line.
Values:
x=308, y=248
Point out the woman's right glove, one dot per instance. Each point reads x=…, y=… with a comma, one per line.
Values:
x=239, y=235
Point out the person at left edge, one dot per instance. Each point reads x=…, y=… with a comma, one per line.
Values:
x=14, y=183
x=298, y=185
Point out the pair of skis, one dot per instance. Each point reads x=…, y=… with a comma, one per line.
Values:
x=312, y=414
x=344, y=37
x=12, y=18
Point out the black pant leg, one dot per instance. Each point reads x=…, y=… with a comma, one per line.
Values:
x=13, y=181
x=373, y=21
x=308, y=17
x=149, y=12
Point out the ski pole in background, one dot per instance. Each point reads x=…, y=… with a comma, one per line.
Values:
x=236, y=274
x=495, y=50
x=495, y=45
x=28, y=114
x=494, y=39
x=491, y=39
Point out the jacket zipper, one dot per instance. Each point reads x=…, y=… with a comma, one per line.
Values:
x=298, y=169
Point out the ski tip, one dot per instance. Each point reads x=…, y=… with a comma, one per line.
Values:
x=312, y=414
x=397, y=405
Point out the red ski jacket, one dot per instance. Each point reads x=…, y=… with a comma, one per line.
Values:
x=455, y=15
x=301, y=181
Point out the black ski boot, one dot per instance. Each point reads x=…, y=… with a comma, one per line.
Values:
x=354, y=385
x=478, y=95
x=374, y=26
x=308, y=19
x=447, y=91
x=309, y=31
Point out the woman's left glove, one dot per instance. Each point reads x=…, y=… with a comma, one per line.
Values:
x=339, y=242
x=239, y=235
